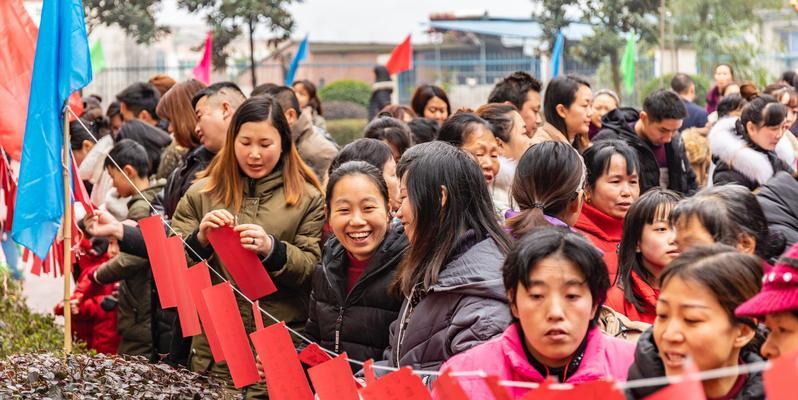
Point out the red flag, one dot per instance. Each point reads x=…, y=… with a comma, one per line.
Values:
x=202, y=71
x=17, y=50
x=401, y=58
x=80, y=192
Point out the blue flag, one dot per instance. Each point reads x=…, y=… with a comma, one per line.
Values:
x=301, y=55
x=62, y=66
x=556, y=54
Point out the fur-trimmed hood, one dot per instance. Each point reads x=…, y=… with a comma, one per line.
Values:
x=733, y=150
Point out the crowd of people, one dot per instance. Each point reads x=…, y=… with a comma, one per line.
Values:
x=551, y=233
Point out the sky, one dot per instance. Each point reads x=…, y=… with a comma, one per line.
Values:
x=374, y=20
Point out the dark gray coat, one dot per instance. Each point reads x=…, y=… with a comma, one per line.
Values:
x=466, y=307
x=779, y=201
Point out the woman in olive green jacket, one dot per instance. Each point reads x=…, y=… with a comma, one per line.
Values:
x=258, y=185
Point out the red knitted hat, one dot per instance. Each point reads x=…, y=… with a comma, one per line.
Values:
x=779, y=288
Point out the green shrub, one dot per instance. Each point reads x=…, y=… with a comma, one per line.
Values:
x=702, y=86
x=337, y=109
x=347, y=90
x=22, y=330
x=346, y=130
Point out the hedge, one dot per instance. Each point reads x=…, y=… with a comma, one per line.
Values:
x=347, y=90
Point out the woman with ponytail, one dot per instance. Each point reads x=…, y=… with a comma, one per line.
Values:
x=548, y=186
x=259, y=186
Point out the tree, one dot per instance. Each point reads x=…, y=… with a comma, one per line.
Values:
x=136, y=18
x=610, y=20
x=228, y=17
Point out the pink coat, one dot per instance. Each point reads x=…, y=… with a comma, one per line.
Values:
x=504, y=356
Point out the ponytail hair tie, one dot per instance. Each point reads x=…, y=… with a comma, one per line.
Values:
x=539, y=205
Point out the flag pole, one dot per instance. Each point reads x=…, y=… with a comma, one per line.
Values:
x=66, y=229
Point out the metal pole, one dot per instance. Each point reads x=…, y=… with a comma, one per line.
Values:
x=66, y=230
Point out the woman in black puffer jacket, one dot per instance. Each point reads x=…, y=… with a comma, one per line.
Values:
x=350, y=307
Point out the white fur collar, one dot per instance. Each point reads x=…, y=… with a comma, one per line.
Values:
x=734, y=151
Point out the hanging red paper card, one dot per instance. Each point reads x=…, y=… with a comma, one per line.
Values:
x=285, y=377
x=688, y=389
x=199, y=278
x=186, y=310
x=398, y=385
x=257, y=316
x=152, y=230
x=448, y=388
x=781, y=377
x=312, y=355
x=226, y=316
x=333, y=380
x=596, y=390
x=498, y=391
x=248, y=273
x=368, y=371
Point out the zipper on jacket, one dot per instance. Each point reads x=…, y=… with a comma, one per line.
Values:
x=252, y=187
x=338, y=324
x=403, y=321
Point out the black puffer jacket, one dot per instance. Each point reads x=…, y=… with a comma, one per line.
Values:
x=617, y=125
x=779, y=200
x=466, y=307
x=648, y=364
x=356, y=322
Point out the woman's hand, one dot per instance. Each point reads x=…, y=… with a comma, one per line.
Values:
x=102, y=224
x=254, y=238
x=212, y=220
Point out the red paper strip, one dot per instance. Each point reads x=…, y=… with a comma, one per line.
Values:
x=199, y=278
x=80, y=192
x=312, y=355
x=152, y=230
x=248, y=273
x=597, y=390
x=186, y=310
x=685, y=390
x=36, y=268
x=447, y=388
x=498, y=391
x=285, y=378
x=226, y=316
x=781, y=377
x=333, y=380
x=368, y=371
x=257, y=316
x=398, y=385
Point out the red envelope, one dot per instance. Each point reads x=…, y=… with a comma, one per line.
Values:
x=448, y=388
x=226, y=317
x=781, y=377
x=186, y=310
x=285, y=377
x=398, y=385
x=333, y=380
x=199, y=278
x=499, y=392
x=248, y=273
x=313, y=355
x=256, y=315
x=369, y=372
x=152, y=230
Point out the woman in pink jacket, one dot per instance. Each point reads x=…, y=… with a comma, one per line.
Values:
x=556, y=281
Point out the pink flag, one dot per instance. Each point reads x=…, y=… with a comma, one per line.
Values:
x=202, y=71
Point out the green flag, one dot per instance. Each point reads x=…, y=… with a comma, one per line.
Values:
x=628, y=63
x=97, y=57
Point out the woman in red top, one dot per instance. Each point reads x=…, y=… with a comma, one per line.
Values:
x=648, y=244
x=612, y=187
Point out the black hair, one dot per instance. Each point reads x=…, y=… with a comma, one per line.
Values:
x=417, y=151
x=730, y=103
x=549, y=176
x=423, y=130
x=127, y=152
x=283, y=94
x=113, y=110
x=139, y=97
x=422, y=96
x=369, y=150
x=514, y=89
x=599, y=157
x=656, y=204
x=390, y=130
x=153, y=139
x=500, y=117
x=663, y=104
x=457, y=128
x=313, y=96
x=561, y=90
x=216, y=88
x=78, y=134
x=727, y=212
x=364, y=168
x=439, y=227
x=263, y=88
x=680, y=83
x=790, y=77
x=764, y=110
x=559, y=242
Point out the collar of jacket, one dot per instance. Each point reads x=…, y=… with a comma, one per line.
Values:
x=642, y=288
x=259, y=187
x=302, y=127
x=601, y=225
x=148, y=193
x=554, y=134
x=477, y=272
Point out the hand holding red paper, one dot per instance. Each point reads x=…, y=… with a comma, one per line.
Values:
x=254, y=238
x=213, y=220
x=101, y=223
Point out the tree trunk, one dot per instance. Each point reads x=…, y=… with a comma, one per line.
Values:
x=616, y=73
x=252, y=52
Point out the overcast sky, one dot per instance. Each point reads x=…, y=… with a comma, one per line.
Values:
x=374, y=20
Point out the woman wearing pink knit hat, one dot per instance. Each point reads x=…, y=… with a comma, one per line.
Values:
x=777, y=305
